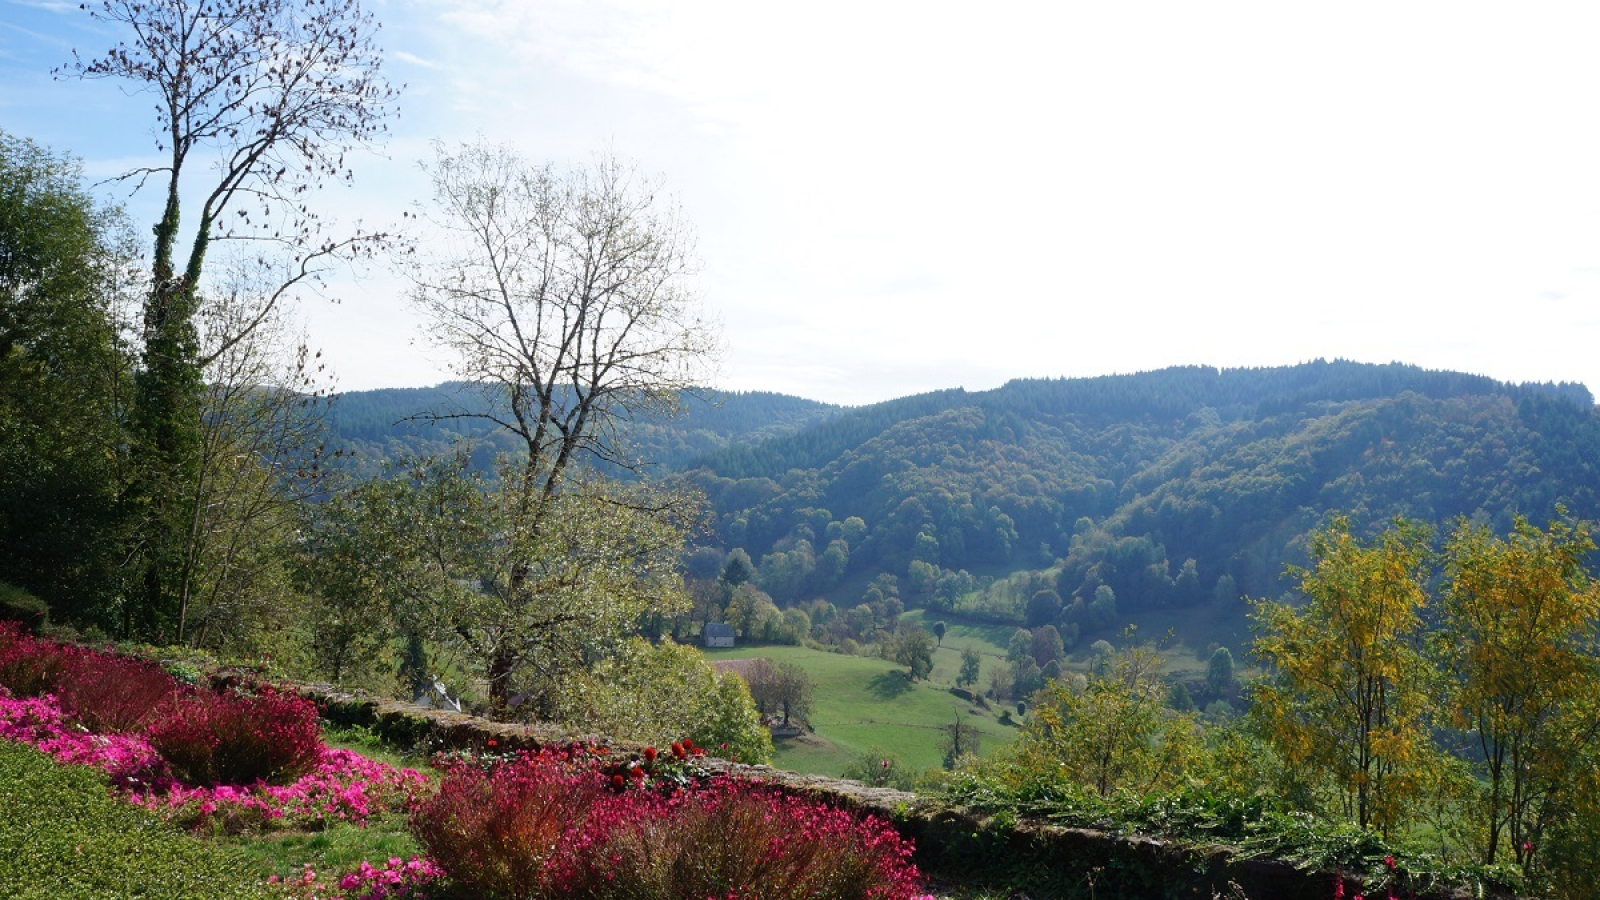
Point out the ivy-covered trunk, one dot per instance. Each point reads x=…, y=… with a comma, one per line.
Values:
x=167, y=429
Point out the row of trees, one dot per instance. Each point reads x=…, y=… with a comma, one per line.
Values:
x=163, y=476
x=1508, y=669
x=1446, y=693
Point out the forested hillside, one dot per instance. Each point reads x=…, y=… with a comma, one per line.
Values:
x=373, y=426
x=1079, y=502
x=1166, y=488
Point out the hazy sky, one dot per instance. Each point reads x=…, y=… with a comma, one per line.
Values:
x=900, y=197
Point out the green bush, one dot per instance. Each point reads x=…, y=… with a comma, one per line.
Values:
x=17, y=605
x=63, y=836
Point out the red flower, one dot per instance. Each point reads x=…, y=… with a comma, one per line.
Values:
x=677, y=750
x=1389, y=861
x=493, y=743
x=617, y=782
x=650, y=754
x=637, y=773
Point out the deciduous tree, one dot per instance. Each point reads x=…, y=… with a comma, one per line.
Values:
x=1347, y=696
x=959, y=739
x=780, y=689
x=1219, y=672
x=970, y=665
x=65, y=272
x=912, y=646
x=1517, y=632
x=1112, y=732
x=455, y=560
x=275, y=94
x=566, y=295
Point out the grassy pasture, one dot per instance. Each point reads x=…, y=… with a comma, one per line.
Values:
x=862, y=703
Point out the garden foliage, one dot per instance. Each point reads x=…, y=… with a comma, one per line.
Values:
x=213, y=738
x=556, y=825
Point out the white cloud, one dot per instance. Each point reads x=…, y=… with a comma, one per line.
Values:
x=415, y=60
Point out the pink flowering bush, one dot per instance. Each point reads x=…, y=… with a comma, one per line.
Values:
x=206, y=737
x=734, y=838
x=232, y=738
x=550, y=825
x=397, y=879
x=40, y=722
x=344, y=787
x=495, y=830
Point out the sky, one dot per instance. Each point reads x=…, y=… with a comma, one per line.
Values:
x=893, y=198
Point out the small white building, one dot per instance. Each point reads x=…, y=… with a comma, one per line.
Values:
x=717, y=634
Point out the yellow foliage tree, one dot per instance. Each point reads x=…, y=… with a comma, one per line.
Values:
x=1112, y=732
x=1517, y=632
x=1346, y=699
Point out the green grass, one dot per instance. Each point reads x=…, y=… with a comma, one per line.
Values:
x=63, y=836
x=989, y=640
x=367, y=743
x=341, y=848
x=862, y=703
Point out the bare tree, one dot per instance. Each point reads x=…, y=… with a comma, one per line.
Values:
x=959, y=739
x=566, y=295
x=272, y=94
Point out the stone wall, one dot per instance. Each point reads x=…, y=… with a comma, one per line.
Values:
x=953, y=845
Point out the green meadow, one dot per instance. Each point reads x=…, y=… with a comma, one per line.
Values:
x=863, y=702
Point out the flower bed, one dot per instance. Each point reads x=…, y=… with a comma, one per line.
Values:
x=211, y=761
x=563, y=824
x=343, y=786
x=553, y=824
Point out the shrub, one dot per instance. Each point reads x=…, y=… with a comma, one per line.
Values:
x=649, y=693
x=738, y=839
x=879, y=768
x=543, y=827
x=39, y=721
x=212, y=738
x=30, y=666
x=111, y=694
x=496, y=832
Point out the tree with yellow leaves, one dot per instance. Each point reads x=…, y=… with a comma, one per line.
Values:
x=1110, y=732
x=1346, y=699
x=1518, y=632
